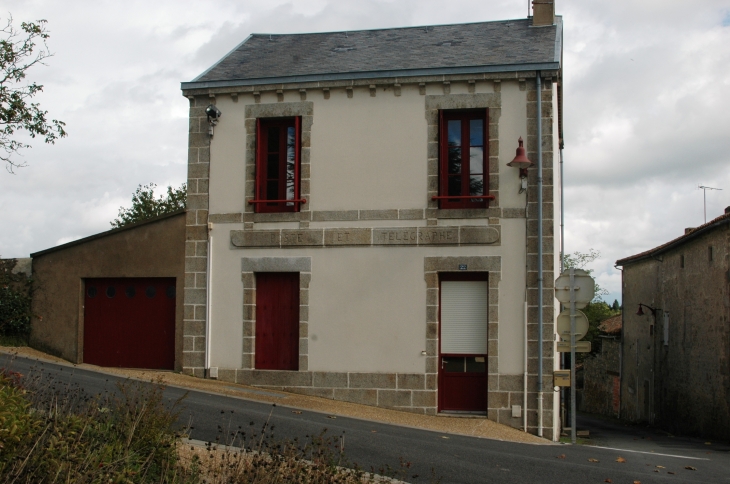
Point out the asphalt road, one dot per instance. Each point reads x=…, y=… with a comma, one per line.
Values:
x=453, y=458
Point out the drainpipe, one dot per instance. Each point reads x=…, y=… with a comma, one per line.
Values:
x=524, y=377
x=564, y=357
x=208, y=305
x=538, y=85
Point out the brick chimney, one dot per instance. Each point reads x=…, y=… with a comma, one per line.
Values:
x=543, y=12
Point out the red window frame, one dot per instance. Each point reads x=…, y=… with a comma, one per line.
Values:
x=280, y=200
x=460, y=195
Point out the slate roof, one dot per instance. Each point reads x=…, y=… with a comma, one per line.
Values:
x=508, y=45
x=704, y=228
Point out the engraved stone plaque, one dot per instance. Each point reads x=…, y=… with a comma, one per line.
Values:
x=304, y=237
x=255, y=238
x=438, y=235
x=478, y=235
x=347, y=236
x=395, y=236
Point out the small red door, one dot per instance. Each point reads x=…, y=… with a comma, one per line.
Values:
x=277, y=321
x=130, y=322
x=463, y=342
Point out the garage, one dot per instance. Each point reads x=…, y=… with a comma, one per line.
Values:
x=130, y=322
x=113, y=299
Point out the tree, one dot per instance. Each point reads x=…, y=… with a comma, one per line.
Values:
x=146, y=206
x=597, y=310
x=578, y=260
x=19, y=52
x=615, y=306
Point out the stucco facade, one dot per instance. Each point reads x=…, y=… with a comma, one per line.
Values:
x=370, y=243
x=676, y=356
x=148, y=249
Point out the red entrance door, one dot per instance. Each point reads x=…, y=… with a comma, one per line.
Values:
x=463, y=343
x=277, y=321
x=130, y=322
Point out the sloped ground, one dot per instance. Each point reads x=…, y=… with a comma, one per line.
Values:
x=475, y=427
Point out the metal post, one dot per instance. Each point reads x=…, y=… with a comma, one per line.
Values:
x=572, y=355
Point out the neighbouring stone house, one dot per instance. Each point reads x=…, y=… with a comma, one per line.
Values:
x=354, y=231
x=601, y=393
x=676, y=333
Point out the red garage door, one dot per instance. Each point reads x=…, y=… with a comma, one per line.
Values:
x=130, y=322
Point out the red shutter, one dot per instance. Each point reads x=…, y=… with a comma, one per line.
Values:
x=443, y=155
x=297, y=157
x=258, y=172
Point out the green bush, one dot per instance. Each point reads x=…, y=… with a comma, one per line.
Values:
x=15, y=295
x=119, y=438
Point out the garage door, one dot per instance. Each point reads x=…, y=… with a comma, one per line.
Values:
x=130, y=322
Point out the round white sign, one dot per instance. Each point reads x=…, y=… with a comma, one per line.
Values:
x=581, y=325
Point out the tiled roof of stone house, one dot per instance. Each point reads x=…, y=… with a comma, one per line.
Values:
x=508, y=45
x=611, y=325
x=688, y=235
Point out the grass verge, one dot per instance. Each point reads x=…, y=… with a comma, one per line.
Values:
x=53, y=432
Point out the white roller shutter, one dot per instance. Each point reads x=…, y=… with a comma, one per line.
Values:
x=464, y=310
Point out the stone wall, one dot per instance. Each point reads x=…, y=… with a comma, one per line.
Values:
x=601, y=380
x=676, y=362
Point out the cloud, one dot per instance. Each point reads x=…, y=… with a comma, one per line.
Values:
x=646, y=95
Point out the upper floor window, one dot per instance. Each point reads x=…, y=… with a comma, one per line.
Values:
x=463, y=159
x=277, y=165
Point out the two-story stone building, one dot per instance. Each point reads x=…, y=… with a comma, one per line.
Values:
x=354, y=231
x=675, y=364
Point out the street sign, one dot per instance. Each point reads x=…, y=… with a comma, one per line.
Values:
x=580, y=346
x=584, y=287
x=581, y=325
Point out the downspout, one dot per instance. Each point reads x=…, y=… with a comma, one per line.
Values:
x=208, y=309
x=524, y=376
x=538, y=85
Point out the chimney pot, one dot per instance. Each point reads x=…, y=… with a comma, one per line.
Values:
x=543, y=12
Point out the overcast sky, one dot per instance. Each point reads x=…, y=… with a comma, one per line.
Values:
x=647, y=97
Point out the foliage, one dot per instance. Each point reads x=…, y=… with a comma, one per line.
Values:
x=48, y=436
x=597, y=310
x=579, y=260
x=19, y=51
x=14, y=305
x=54, y=432
x=145, y=206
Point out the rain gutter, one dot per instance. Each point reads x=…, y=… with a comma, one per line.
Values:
x=338, y=76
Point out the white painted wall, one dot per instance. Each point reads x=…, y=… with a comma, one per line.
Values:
x=369, y=152
x=367, y=305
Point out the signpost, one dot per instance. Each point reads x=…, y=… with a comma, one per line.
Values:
x=577, y=288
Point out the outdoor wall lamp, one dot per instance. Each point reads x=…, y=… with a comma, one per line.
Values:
x=523, y=163
x=213, y=114
x=640, y=312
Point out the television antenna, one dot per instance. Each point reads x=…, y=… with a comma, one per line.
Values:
x=704, y=196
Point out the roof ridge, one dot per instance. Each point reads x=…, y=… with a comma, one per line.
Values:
x=396, y=28
x=677, y=240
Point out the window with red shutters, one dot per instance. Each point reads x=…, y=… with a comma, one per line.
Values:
x=277, y=165
x=463, y=159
